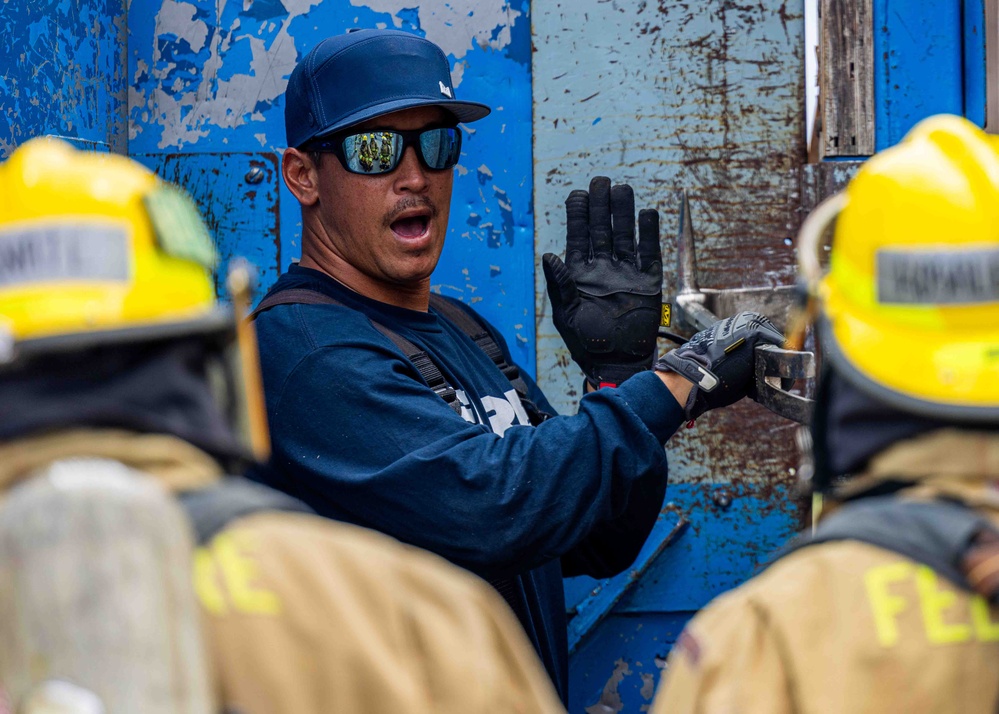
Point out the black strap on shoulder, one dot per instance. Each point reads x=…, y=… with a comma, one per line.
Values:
x=481, y=336
x=431, y=374
x=299, y=296
x=935, y=533
x=211, y=509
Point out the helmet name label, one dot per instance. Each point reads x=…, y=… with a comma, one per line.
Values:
x=938, y=277
x=63, y=252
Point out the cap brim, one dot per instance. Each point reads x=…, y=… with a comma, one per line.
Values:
x=462, y=111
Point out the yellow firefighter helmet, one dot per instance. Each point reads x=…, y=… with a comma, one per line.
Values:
x=909, y=304
x=95, y=249
x=92, y=242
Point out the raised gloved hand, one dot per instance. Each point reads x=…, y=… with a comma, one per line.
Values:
x=607, y=295
x=719, y=360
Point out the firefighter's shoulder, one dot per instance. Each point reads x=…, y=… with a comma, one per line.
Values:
x=388, y=625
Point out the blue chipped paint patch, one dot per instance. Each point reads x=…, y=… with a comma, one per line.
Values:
x=265, y=9
x=65, y=75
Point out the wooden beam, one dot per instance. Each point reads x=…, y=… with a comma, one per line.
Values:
x=846, y=77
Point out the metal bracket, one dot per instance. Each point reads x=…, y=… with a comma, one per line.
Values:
x=776, y=369
x=776, y=372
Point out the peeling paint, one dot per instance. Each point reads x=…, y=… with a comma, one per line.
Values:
x=718, y=110
x=178, y=18
x=68, y=77
x=207, y=77
x=610, y=699
x=705, y=96
x=457, y=73
x=648, y=685
x=189, y=57
x=458, y=25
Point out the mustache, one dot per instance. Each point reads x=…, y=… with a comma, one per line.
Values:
x=407, y=204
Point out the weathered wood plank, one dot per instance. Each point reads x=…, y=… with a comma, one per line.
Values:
x=846, y=77
x=822, y=180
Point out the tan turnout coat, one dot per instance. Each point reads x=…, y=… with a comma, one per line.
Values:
x=847, y=627
x=309, y=616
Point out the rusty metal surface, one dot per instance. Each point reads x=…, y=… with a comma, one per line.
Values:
x=707, y=96
x=64, y=73
x=776, y=370
x=820, y=181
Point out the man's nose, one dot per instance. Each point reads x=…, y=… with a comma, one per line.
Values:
x=411, y=175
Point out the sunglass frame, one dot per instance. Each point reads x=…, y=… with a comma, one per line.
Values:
x=337, y=143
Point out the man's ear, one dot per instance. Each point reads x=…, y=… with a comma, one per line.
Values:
x=301, y=175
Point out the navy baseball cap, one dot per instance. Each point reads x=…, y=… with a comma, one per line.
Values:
x=350, y=78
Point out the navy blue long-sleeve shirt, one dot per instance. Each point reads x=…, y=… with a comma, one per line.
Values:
x=359, y=436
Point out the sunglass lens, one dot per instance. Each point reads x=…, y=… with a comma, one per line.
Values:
x=375, y=152
x=441, y=147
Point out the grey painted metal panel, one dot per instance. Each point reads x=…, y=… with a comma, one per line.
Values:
x=708, y=97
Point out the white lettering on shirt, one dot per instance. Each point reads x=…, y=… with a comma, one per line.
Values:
x=504, y=413
x=467, y=413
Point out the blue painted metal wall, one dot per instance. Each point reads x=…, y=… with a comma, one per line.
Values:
x=973, y=56
x=63, y=72
x=205, y=106
x=929, y=59
x=919, y=65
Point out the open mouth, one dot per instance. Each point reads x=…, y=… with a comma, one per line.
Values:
x=410, y=226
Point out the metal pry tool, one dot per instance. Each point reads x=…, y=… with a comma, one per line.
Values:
x=777, y=370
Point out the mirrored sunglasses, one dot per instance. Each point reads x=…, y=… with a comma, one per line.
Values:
x=380, y=150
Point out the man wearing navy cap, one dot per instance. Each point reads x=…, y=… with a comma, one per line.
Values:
x=402, y=411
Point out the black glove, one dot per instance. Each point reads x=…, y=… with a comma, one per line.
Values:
x=719, y=360
x=607, y=296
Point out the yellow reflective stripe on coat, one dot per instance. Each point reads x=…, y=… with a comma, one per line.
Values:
x=900, y=587
x=226, y=575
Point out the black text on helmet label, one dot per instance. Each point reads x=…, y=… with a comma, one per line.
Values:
x=936, y=277
x=63, y=252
